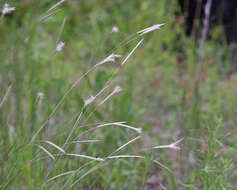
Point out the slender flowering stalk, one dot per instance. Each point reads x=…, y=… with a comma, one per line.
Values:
x=61, y=30
x=162, y=165
x=85, y=156
x=138, y=44
x=87, y=102
x=150, y=29
x=129, y=142
x=110, y=58
x=94, y=128
x=125, y=156
x=70, y=172
x=62, y=174
x=55, y=5
x=171, y=146
x=5, y=96
x=89, y=172
x=7, y=9
x=42, y=18
x=86, y=141
x=92, y=98
x=138, y=130
x=116, y=90
x=73, y=86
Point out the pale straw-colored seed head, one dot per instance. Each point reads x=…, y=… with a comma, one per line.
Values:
x=175, y=145
x=150, y=29
x=7, y=9
x=111, y=58
x=60, y=46
x=170, y=146
x=115, y=29
x=40, y=95
x=89, y=100
x=117, y=89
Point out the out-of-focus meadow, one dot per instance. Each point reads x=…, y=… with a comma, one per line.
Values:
x=41, y=116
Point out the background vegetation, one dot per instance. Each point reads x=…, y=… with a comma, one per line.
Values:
x=162, y=94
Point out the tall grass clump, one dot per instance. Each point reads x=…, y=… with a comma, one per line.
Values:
x=49, y=148
x=85, y=105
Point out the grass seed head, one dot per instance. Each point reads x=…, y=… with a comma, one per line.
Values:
x=7, y=9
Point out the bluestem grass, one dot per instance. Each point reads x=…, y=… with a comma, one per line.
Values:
x=88, y=110
x=72, y=87
x=111, y=58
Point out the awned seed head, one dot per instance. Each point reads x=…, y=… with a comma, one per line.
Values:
x=60, y=46
x=170, y=146
x=89, y=100
x=111, y=58
x=7, y=9
x=115, y=29
x=150, y=29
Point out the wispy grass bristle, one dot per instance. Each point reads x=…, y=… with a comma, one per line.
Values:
x=85, y=156
x=131, y=52
x=5, y=96
x=111, y=58
x=47, y=152
x=55, y=146
x=119, y=124
x=86, y=141
x=170, y=146
x=116, y=90
x=56, y=5
x=150, y=29
x=124, y=145
x=124, y=156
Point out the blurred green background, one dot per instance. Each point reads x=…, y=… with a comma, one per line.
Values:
x=161, y=94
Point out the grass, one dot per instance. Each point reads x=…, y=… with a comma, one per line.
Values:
x=161, y=95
